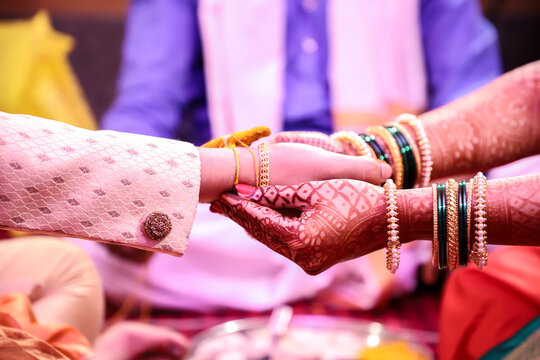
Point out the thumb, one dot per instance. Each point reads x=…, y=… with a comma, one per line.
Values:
x=367, y=169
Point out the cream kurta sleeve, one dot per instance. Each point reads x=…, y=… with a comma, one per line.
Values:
x=105, y=186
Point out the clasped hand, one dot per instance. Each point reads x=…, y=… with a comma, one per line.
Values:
x=315, y=224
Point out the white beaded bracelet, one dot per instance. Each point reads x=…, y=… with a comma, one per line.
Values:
x=393, y=245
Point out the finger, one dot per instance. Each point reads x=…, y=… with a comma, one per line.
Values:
x=262, y=223
x=369, y=170
x=317, y=139
x=301, y=197
x=361, y=168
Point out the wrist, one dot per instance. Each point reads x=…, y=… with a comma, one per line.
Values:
x=218, y=167
x=415, y=209
x=218, y=171
x=248, y=164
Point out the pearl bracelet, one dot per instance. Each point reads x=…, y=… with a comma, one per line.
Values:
x=393, y=244
x=479, y=252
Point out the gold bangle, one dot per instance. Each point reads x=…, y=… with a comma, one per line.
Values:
x=395, y=154
x=355, y=141
x=470, y=188
x=479, y=251
x=423, y=146
x=264, y=163
x=452, y=223
x=435, y=252
x=414, y=148
x=241, y=138
x=237, y=173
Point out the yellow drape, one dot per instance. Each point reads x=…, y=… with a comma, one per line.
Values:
x=36, y=77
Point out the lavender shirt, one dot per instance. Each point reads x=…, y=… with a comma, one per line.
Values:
x=161, y=90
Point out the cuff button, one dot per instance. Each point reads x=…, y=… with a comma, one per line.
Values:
x=157, y=225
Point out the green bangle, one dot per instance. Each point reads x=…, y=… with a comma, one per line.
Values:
x=442, y=228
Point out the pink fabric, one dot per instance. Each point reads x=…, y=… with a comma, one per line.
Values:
x=243, y=42
x=96, y=185
x=376, y=45
x=223, y=268
x=529, y=165
x=251, y=277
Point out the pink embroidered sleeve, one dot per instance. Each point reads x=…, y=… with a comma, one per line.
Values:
x=105, y=186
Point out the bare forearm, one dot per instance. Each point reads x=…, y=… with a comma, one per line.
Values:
x=513, y=208
x=493, y=126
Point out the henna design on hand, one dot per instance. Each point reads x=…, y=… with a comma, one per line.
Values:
x=416, y=214
x=339, y=220
x=493, y=126
x=513, y=207
x=343, y=219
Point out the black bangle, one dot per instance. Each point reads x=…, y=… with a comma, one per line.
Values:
x=404, y=156
x=409, y=164
x=463, y=246
x=412, y=162
x=392, y=131
x=441, y=225
x=379, y=152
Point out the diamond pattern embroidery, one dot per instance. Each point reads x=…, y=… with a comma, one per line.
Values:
x=88, y=184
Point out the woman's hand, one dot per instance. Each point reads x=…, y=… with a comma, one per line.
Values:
x=335, y=220
x=131, y=340
x=289, y=164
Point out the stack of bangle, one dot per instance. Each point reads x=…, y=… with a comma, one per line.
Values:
x=409, y=156
x=245, y=139
x=452, y=207
x=413, y=152
x=426, y=162
x=377, y=149
x=396, y=158
x=405, y=158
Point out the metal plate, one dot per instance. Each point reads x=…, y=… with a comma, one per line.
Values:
x=367, y=334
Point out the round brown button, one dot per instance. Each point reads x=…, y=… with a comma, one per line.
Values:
x=157, y=226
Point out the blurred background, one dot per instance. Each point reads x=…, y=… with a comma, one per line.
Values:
x=98, y=28
x=84, y=88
